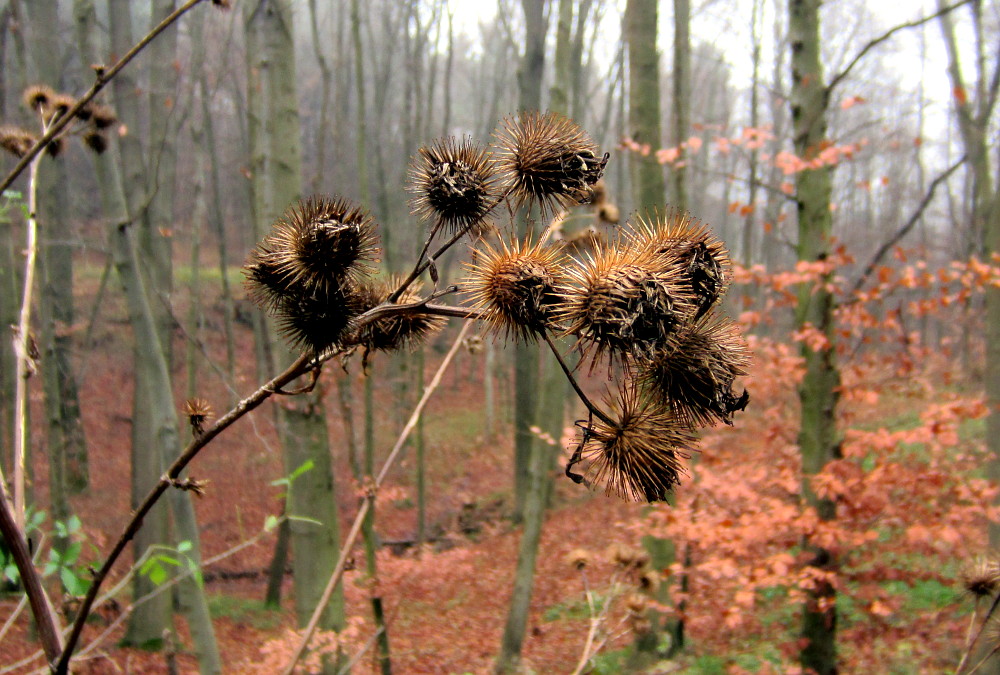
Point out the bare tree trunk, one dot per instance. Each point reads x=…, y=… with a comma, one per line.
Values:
x=974, y=105
x=315, y=530
x=819, y=441
x=681, y=104
x=123, y=195
x=530, y=457
x=644, y=101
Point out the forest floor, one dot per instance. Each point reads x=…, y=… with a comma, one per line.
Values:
x=446, y=603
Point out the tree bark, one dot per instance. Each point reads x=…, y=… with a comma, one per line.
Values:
x=681, y=104
x=819, y=441
x=530, y=458
x=277, y=181
x=974, y=105
x=644, y=101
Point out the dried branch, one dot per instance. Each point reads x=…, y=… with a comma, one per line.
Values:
x=103, y=77
x=907, y=226
x=839, y=77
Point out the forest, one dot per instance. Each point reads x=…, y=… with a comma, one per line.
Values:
x=521, y=336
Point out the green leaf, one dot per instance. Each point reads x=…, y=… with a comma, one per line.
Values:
x=73, y=524
x=306, y=466
x=169, y=560
x=270, y=523
x=11, y=572
x=73, y=584
x=185, y=546
x=157, y=574
x=72, y=553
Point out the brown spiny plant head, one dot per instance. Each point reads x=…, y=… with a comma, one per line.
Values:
x=198, y=411
x=61, y=104
x=95, y=140
x=454, y=184
x=623, y=303
x=701, y=254
x=393, y=332
x=579, y=558
x=15, y=140
x=548, y=160
x=315, y=320
x=694, y=372
x=516, y=287
x=38, y=97
x=55, y=147
x=981, y=577
x=609, y=213
x=638, y=457
x=320, y=245
x=103, y=116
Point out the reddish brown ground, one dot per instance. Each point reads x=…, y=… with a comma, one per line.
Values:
x=445, y=608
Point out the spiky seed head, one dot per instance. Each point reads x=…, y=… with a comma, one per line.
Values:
x=61, y=104
x=16, y=141
x=95, y=140
x=639, y=456
x=516, y=286
x=623, y=303
x=609, y=213
x=701, y=254
x=694, y=372
x=636, y=603
x=319, y=244
x=454, y=184
x=599, y=193
x=548, y=160
x=579, y=558
x=401, y=330
x=981, y=577
x=197, y=410
x=649, y=581
x=55, y=147
x=315, y=320
x=102, y=115
x=623, y=555
x=38, y=97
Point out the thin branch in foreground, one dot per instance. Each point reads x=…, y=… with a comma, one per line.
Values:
x=352, y=536
x=301, y=365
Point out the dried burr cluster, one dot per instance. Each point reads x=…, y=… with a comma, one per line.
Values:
x=641, y=302
x=90, y=124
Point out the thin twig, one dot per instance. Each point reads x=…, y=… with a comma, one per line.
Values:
x=885, y=36
x=299, y=367
x=576, y=387
x=101, y=81
x=24, y=350
x=907, y=226
x=366, y=503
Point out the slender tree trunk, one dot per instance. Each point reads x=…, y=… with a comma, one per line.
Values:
x=530, y=457
x=974, y=108
x=819, y=441
x=277, y=175
x=681, y=104
x=644, y=101
x=123, y=195
x=368, y=531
